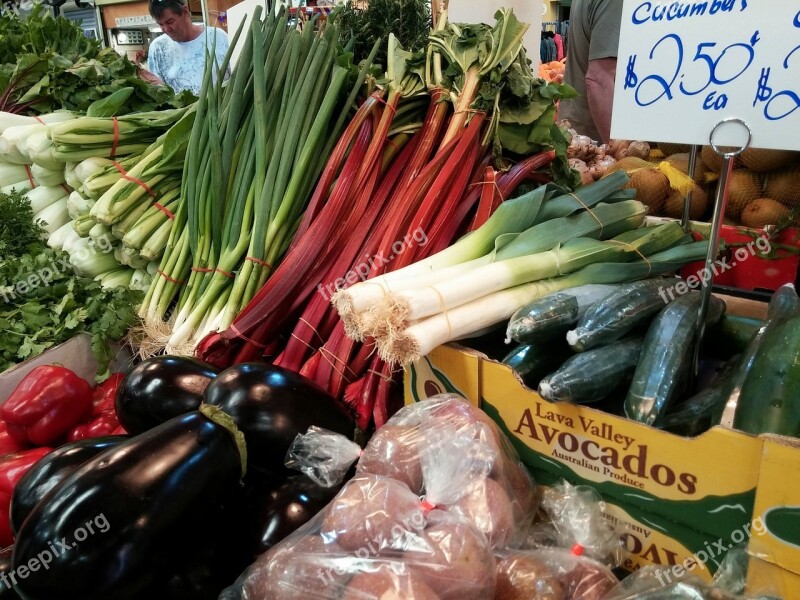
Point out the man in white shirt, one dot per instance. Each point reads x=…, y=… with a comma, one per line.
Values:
x=178, y=57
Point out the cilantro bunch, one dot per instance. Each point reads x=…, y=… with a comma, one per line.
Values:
x=43, y=303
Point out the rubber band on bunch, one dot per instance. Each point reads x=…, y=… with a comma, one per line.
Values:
x=40, y=120
x=492, y=182
x=386, y=104
x=637, y=251
x=165, y=210
x=249, y=340
x=170, y=279
x=30, y=176
x=258, y=261
x=312, y=328
x=325, y=353
x=115, y=141
x=589, y=210
x=443, y=304
x=387, y=378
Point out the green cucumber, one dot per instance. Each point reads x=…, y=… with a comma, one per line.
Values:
x=533, y=361
x=783, y=305
x=667, y=356
x=551, y=317
x=591, y=376
x=695, y=415
x=731, y=336
x=769, y=401
x=629, y=306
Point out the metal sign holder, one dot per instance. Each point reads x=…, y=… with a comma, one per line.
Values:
x=720, y=200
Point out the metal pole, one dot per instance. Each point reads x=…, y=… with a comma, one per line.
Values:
x=716, y=224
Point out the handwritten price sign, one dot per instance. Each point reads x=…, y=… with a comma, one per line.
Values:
x=684, y=66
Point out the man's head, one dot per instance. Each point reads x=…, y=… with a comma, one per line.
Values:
x=174, y=18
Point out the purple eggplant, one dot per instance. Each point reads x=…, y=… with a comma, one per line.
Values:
x=118, y=524
x=270, y=406
x=159, y=389
x=51, y=470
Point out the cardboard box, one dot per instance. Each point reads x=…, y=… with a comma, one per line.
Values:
x=75, y=354
x=767, y=579
x=705, y=483
x=777, y=506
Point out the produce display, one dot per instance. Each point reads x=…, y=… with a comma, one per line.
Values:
x=279, y=250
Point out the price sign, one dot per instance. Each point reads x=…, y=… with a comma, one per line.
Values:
x=683, y=66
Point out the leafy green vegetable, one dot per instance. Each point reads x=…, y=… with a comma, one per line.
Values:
x=43, y=303
x=47, y=64
x=408, y=20
x=18, y=233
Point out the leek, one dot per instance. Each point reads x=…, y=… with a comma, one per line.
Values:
x=421, y=337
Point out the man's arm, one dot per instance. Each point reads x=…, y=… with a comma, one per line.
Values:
x=600, y=93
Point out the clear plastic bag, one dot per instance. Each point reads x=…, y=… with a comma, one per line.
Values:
x=376, y=540
x=551, y=574
x=443, y=448
x=572, y=518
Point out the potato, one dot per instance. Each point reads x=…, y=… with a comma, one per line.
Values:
x=386, y=584
x=489, y=508
x=394, y=452
x=523, y=577
x=454, y=559
x=373, y=514
x=588, y=581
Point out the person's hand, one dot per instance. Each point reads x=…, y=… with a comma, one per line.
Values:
x=147, y=76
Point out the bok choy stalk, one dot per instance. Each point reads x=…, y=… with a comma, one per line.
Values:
x=421, y=337
x=54, y=216
x=43, y=196
x=89, y=259
x=11, y=173
x=44, y=176
x=107, y=137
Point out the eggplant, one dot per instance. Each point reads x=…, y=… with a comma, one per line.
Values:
x=159, y=389
x=272, y=510
x=115, y=526
x=7, y=589
x=52, y=470
x=271, y=406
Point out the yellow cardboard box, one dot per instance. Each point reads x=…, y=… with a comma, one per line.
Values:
x=705, y=483
x=777, y=506
x=767, y=579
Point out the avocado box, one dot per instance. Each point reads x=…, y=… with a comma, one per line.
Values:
x=706, y=483
x=765, y=579
x=777, y=505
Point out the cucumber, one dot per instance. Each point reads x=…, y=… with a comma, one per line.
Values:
x=591, y=376
x=609, y=320
x=551, y=317
x=731, y=336
x=769, y=401
x=533, y=361
x=667, y=356
x=783, y=305
x=695, y=415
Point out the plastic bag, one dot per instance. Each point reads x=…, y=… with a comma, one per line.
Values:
x=379, y=539
x=572, y=518
x=551, y=574
x=444, y=448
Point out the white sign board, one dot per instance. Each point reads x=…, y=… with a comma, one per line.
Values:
x=683, y=66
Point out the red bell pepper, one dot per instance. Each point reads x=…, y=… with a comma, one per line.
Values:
x=9, y=445
x=105, y=395
x=46, y=404
x=12, y=468
x=104, y=424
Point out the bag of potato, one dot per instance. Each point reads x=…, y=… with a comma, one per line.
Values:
x=436, y=490
x=662, y=187
x=440, y=448
x=551, y=574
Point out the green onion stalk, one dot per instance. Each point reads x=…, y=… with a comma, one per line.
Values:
x=271, y=132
